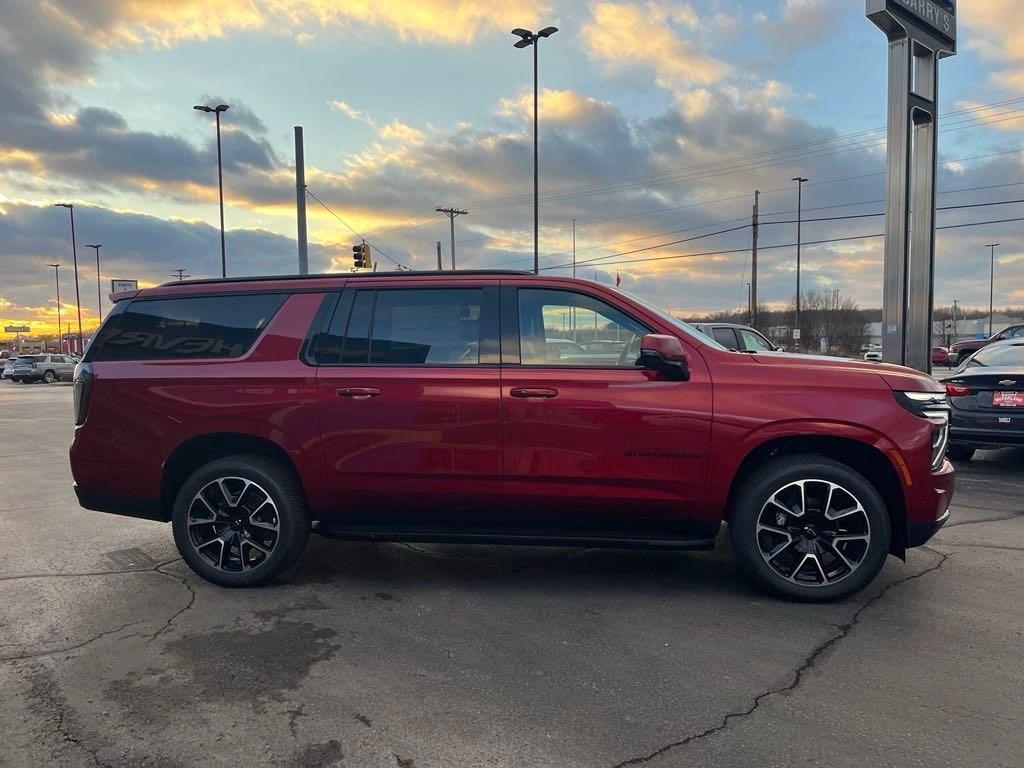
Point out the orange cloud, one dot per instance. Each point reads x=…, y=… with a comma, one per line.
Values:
x=622, y=35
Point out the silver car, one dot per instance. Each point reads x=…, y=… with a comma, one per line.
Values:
x=45, y=368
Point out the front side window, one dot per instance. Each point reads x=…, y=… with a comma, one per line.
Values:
x=187, y=328
x=755, y=342
x=726, y=337
x=564, y=328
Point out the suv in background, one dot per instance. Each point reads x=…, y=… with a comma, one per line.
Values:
x=430, y=407
x=740, y=338
x=963, y=349
x=44, y=368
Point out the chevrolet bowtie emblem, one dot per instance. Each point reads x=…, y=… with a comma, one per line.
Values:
x=1007, y=383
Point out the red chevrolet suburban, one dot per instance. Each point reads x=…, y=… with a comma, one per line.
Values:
x=448, y=407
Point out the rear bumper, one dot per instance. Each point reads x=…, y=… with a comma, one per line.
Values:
x=127, y=506
x=969, y=435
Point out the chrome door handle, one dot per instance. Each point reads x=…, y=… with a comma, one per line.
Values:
x=534, y=393
x=359, y=393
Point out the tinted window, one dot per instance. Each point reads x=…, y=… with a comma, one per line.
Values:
x=426, y=326
x=562, y=327
x=185, y=328
x=726, y=338
x=999, y=355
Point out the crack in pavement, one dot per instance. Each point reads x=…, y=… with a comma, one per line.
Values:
x=45, y=693
x=1011, y=516
x=167, y=624
x=809, y=662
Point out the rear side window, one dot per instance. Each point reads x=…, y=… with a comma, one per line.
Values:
x=186, y=328
x=424, y=326
x=726, y=337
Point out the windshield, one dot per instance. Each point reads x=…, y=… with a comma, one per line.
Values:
x=998, y=356
x=686, y=328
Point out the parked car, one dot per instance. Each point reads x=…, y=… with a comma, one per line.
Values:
x=8, y=368
x=605, y=346
x=961, y=350
x=740, y=338
x=426, y=407
x=940, y=356
x=44, y=368
x=987, y=395
x=873, y=356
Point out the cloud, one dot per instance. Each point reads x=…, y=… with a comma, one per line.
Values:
x=558, y=106
x=625, y=35
x=1006, y=118
x=396, y=130
x=118, y=23
x=803, y=24
x=351, y=112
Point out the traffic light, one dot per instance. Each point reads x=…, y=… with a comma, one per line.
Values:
x=361, y=256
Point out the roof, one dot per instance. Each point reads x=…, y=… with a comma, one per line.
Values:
x=347, y=275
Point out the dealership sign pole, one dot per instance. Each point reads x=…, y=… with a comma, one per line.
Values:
x=920, y=33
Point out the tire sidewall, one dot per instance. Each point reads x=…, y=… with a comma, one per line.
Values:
x=770, y=478
x=292, y=517
x=49, y=377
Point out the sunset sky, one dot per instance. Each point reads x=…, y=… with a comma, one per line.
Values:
x=657, y=120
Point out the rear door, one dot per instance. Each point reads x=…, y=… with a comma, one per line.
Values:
x=595, y=442
x=408, y=392
x=726, y=337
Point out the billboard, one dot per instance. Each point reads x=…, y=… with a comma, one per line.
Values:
x=16, y=329
x=120, y=286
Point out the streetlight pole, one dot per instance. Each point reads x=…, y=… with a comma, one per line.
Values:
x=74, y=254
x=99, y=293
x=800, y=181
x=220, y=181
x=526, y=39
x=60, y=332
x=991, y=284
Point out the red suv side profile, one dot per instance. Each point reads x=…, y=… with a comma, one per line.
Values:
x=443, y=407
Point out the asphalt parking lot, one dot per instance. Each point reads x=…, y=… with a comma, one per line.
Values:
x=113, y=653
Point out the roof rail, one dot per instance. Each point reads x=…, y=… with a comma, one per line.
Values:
x=352, y=275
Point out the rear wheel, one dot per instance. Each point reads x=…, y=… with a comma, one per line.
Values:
x=241, y=520
x=809, y=528
x=49, y=377
x=958, y=452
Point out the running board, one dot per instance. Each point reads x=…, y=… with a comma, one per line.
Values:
x=545, y=538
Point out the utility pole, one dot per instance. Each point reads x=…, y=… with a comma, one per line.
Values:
x=991, y=284
x=60, y=332
x=956, y=305
x=440, y=267
x=451, y=213
x=755, y=223
x=750, y=308
x=800, y=180
x=300, y=201
x=74, y=255
x=99, y=293
x=180, y=274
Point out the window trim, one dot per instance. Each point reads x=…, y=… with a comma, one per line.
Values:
x=489, y=323
x=510, y=307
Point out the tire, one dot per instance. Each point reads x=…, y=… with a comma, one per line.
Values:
x=957, y=452
x=15, y=379
x=271, y=496
x=807, y=568
x=49, y=377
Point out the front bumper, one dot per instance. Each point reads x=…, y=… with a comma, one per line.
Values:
x=929, y=508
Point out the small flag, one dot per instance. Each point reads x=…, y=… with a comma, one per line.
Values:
x=618, y=279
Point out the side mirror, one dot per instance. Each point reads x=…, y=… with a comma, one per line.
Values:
x=664, y=354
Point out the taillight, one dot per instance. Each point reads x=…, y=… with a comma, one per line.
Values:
x=83, y=391
x=957, y=390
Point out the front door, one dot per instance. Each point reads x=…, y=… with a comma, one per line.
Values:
x=408, y=388
x=591, y=439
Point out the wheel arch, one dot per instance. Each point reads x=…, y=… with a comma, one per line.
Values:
x=866, y=459
x=193, y=453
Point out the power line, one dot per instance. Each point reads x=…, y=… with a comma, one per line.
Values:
x=374, y=247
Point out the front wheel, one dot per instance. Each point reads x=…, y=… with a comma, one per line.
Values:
x=809, y=528
x=49, y=377
x=241, y=520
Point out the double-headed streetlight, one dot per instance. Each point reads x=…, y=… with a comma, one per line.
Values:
x=220, y=181
x=800, y=181
x=526, y=39
x=60, y=332
x=74, y=255
x=99, y=293
x=991, y=284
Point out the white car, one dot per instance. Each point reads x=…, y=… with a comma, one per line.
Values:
x=874, y=356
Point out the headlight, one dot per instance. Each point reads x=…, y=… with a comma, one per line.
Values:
x=933, y=406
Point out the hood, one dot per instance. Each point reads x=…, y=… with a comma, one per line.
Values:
x=898, y=377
